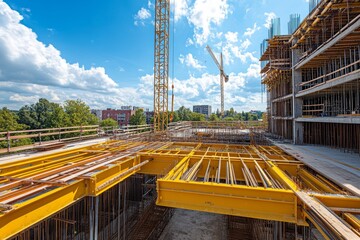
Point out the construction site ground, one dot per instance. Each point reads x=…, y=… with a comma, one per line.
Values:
x=188, y=225
x=336, y=164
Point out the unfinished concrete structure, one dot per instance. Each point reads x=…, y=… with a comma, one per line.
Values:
x=313, y=78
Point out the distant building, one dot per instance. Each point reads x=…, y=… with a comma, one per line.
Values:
x=148, y=115
x=203, y=109
x=122, y=116
x=97, y=113
x=293, y=23
x=126, y=108
x=274, y=29
x=313, y=4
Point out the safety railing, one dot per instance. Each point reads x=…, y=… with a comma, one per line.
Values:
x=11, y=141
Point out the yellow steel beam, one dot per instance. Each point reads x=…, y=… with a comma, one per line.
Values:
x=314, y=181
x=104, y=165
x=269, y=204
x=338, y=201
x=353, y=221
x=38, y=208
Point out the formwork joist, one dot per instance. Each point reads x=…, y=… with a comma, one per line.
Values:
x=260, y=182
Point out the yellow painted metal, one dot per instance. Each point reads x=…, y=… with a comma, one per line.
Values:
x=30, y=212
x=270, y=204
x=353, y=221
x=89, y=171
x=315, y=182
x=338, y=201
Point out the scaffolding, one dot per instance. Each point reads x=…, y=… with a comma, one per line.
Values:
x=312, y=76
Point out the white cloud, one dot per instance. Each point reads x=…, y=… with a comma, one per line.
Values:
x=189, y=42
x=269, y=16
x=25, y=59
x=142, y=14
x=150, y=4
x=245, y=44
x=231, y=37
x=204, y=14
x=30, y=69
x=190, y=61
x=250, y=31
x=180, y=8
x=234, y=49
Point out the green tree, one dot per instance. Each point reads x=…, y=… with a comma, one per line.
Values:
x=238, y=117
x=214, y=117
x=253, y=117
x=229, y=119
x=138, y=118
x=176, y=117
x=109, y=122
x=184, y=113
x=218, y=113
x=231, y=112
x=197, y=117
x=9, y=121
x=79, y=113
x=43, y=114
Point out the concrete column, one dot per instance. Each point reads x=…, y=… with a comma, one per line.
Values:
x=298, y=128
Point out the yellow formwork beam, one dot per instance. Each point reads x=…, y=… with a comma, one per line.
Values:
x=260, y=203
x=112, y=162
x=38, y=208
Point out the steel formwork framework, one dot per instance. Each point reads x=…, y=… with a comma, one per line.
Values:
x=260, y=182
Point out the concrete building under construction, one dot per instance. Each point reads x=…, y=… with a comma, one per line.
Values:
x=213, y=179
x=312, y=77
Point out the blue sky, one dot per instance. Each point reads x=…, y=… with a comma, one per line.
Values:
x=102, y=51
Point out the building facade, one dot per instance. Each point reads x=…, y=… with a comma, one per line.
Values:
x=313, y=78
x=203, y=109
x=119, y=115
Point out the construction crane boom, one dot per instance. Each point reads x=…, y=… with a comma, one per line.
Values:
x=223, y=76
x=161, y=64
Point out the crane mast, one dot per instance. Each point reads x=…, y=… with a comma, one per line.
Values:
x=161, y=64
x=223, y=77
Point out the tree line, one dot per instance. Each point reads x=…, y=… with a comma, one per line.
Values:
x=185, y=114
x=45, y=114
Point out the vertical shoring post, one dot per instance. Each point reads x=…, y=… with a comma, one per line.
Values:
x=119, y=212
x=124, y=211
x=161, y=64
x=96, y=216
x=91, y=218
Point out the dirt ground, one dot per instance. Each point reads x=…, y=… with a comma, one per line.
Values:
x=189, y=225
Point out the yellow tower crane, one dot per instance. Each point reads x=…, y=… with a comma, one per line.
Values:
x=223, y=76
x=161, y=64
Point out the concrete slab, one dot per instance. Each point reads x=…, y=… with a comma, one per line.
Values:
x=341, y=167
x=189, y=225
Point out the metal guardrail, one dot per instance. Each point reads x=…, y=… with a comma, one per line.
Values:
x=51, y=136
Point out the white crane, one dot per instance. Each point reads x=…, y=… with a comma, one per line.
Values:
x=223, y=76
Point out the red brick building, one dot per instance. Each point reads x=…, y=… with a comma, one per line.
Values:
x=121, y=116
